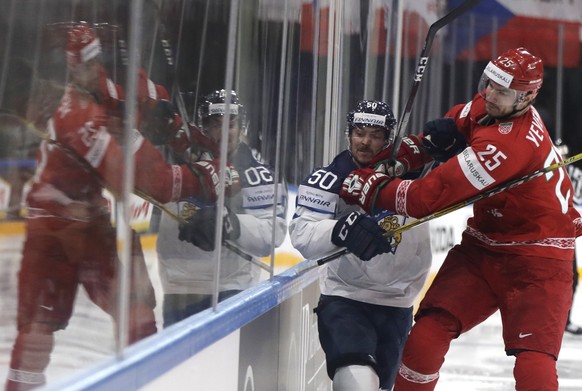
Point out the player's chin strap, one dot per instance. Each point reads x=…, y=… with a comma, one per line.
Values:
x=510, y=184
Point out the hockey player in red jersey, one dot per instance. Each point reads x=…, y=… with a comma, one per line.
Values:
x=69, y=237
x=516, y=253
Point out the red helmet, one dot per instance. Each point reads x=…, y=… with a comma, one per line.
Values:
x=82, y=44
x=517, y=69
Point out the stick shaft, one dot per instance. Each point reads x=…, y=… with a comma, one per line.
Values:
x=421, y=67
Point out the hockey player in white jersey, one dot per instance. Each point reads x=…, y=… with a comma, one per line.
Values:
x=366, y=303
x=185, y=252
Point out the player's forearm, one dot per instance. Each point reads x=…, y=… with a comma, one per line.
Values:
x=162, y=181
x=312, y=238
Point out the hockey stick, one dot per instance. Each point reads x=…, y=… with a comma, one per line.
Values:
x=420, y=68
x=172, y=61
x=510, y=184
x=405, y=116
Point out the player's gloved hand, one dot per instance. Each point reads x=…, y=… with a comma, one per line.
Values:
x=361, y=187
x=231, y=181
x=361, y=235
x=411, y=156
x=207, y=173
x=442, y=140
x=179, y=144
x=201, y=227
x=201, y=143
x=161, y=123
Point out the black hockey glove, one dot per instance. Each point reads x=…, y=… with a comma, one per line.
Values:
x=361, y=235
x=442, y=140
x=162, y=123
x=201, y=227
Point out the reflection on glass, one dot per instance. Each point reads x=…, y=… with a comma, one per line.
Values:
x=297, y=67
x=185, y=250
x=69, y=237
x=70, y=241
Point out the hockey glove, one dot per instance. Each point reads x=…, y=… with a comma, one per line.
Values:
x=179, y=144
x=207, y=173
x=361, y=235
x=162, y=123
x=442, y=140
x=231, y=180
x=201, y=227
x=193, y=145
x=411, y=156
x=361, y=187
x=202, y=143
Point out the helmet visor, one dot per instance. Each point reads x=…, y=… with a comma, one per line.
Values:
x=496, y=93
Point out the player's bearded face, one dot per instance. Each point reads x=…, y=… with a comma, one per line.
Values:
x=366, y=142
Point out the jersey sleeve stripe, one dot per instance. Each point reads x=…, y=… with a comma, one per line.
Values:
x=401, y=193
x=136, y=141
x=97, y=151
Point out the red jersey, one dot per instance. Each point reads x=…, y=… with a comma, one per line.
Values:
x=92, y=158
x=534, y=218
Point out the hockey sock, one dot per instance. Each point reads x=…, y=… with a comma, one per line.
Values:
x=424, y=352
x=535, y=371
x=142, y=322
x=30, y=357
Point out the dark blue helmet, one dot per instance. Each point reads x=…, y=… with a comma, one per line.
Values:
x=372, y=113
x=214, y=105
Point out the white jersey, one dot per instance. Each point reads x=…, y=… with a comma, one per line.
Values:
x=185, y=268
x=392, y=279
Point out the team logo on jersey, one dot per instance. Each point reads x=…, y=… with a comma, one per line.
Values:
x=187, y=210
x=390, y=223
x=505, y=127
